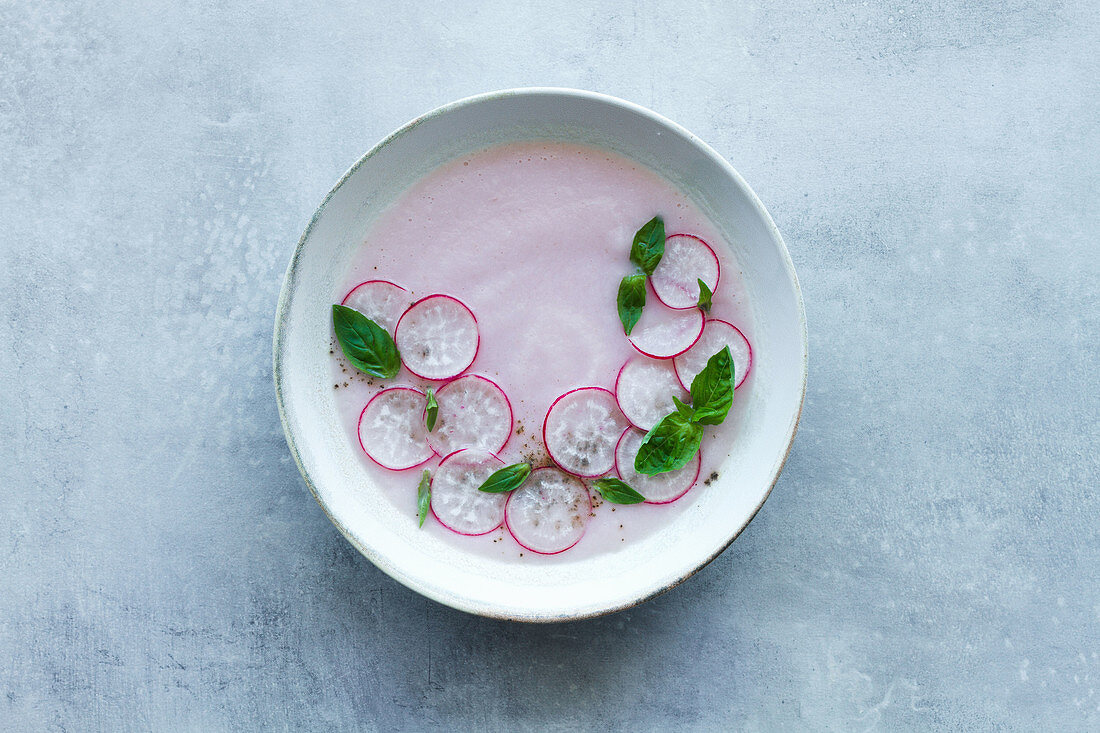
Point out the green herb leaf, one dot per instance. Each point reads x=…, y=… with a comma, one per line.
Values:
x=669, y=445
x=704, y=296
x=649, y=245
x=365, y=344
x=616, y=491
x=712, y=389
x=431, y=412
x=631, y=300
x=506, y=479
x=424, y=496
x=685, y=410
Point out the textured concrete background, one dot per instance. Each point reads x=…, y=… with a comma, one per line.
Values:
x=928, y=559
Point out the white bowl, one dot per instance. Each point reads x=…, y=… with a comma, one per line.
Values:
x=570, y=589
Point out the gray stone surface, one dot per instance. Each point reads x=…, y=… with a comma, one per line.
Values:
x=927, y=561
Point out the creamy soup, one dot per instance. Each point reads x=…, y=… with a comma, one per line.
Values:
x=513, y=257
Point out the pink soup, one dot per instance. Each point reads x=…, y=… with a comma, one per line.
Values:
x=533, y=239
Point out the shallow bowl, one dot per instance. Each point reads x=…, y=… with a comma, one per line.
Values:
x=570, y=589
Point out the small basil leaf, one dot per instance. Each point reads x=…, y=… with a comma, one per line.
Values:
x=506, y=479
x=669, y=445
x=616, y=491
x=431, y=412
x=704, y=296
x=712, y=389
x=631, y=300
x=424, y=496
x=365, y=344
x=649, y=245
x=685, y=410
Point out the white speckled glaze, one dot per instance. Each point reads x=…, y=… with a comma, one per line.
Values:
x=593, y=585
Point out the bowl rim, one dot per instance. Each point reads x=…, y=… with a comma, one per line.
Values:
x=291, y=276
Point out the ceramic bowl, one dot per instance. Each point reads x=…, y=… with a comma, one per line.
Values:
x=570, y=589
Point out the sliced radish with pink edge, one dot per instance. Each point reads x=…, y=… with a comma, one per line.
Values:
x=581, y=429
x=473, y=413
x=437, y=337
x=644, y=390
x=664, y=332
x=549, y=513
x=686, y=261
x=379, y=300
x=456, y=501
x=392, y=431
x=716, y=334
x=663, y=488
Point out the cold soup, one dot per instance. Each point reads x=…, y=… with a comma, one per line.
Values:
x=539, y=352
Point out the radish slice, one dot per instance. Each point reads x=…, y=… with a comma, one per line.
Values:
x=379, y=300
x=473, y=413
x=644, y=391
x=686, y=261
x=392, y=431
x=437, y=337
x=581, y=429
x=456, y=501
x=716, y=334
x=549, y=513
x=663, y=333
x=662, y=488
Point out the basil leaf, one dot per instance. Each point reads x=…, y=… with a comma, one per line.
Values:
x=616, y=491
x=704, y=296
x=631, y=300
x=424, y=496
x=685, y=410
x=712, y=389
x=431, y=412
x=506, y=479
x=365, y=344
x=669, y=445
x=649, y=245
